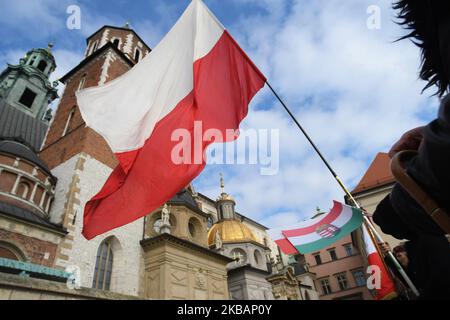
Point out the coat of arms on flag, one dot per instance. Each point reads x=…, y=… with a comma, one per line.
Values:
x=318, y=233
x=327, y=231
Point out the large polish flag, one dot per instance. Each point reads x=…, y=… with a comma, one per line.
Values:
x=197, y=74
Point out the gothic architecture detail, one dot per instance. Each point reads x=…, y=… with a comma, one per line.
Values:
x=191, y=248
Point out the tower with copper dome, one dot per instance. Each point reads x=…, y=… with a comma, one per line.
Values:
x=231, y=237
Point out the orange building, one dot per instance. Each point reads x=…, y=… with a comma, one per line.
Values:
x=340, y=271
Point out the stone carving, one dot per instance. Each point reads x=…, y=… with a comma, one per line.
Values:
x=165, y=215
x=200, y=280
x=219, y=242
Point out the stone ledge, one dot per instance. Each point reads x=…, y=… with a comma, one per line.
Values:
x=35, y=289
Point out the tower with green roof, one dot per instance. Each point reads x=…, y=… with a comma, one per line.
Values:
x=27, y=86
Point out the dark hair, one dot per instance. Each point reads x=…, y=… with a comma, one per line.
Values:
x=421, y=18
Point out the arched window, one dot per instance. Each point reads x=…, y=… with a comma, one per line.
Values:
x=11, y=252
x=116, y=43
x=23, y=189
x=82, y=82
x=103, y=267
x=137, y=55
x=42, y=65
x=94, y=47
x=69, y=121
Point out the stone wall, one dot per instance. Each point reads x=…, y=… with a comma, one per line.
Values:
x=78, y=181
x=18, y=288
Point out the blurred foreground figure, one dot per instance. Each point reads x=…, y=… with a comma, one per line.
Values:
x=399, y=214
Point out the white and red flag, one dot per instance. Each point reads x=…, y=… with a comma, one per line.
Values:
x=386, y=287
x=196, y=74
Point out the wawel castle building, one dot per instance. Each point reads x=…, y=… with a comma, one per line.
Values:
x=50, y=166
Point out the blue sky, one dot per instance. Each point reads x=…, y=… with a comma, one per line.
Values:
x=353, y=88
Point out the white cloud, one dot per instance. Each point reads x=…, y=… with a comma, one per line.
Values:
x=353, y=89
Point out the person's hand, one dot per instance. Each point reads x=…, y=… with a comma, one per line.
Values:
x=385, y=248
x=411, y=140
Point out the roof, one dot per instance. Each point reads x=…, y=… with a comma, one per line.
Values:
x=108, y=45
x=230, y=231
x=17, y=125
x=24, y=152
x=184, y=197
x=25, y=215
x=379, y=174
x=118, y=28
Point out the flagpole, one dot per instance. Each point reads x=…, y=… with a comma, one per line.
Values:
x=344, y=188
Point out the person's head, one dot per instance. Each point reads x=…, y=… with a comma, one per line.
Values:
x=429, y=24
x=401, y=255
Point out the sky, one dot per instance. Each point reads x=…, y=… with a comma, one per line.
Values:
x=353, y=88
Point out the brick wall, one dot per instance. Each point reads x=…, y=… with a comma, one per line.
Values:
x=37, y=251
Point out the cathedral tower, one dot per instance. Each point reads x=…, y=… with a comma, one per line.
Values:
x=82, y=161
x=27, y=86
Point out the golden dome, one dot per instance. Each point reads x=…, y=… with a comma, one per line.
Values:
x=230, y=231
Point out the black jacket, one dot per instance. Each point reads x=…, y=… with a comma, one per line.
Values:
x=402, y=217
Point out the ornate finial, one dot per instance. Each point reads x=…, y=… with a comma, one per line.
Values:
x=222, y=183
x=127, y=25
x=318, y=210
x=50, y=46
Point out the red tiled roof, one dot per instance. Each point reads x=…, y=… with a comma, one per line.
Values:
x=378, y=174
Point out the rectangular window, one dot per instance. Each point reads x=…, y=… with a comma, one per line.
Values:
x=318, y=259
x=27, y=98
x=360, y=279
x=325, y=284
x=348, y=250
x=333, y=255
x=342, y=281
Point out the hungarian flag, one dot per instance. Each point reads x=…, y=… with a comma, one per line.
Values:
x=318, y=233
x=196, y=80
x=386, y=289
x=284, y=244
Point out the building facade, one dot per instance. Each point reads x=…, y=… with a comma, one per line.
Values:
x=340, y=271
x=50, y=169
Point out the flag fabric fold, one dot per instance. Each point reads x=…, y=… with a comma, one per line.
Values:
x=197, y=74
x=387, y=290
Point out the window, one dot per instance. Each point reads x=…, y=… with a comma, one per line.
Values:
x=22, y=190
x=318, y=259
x=191, y=228
x=32, y=61
x=342, y=281
x=11, y=252
x=137, y=55
x=69, y=122
x=360, y=279
x=116, y=43
x=325, y=284
x=42, y=66
x=348, y=250
x=103, y=267
x=333, y=255
x=82, y=82
x=28, y=98
x=210, y=222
